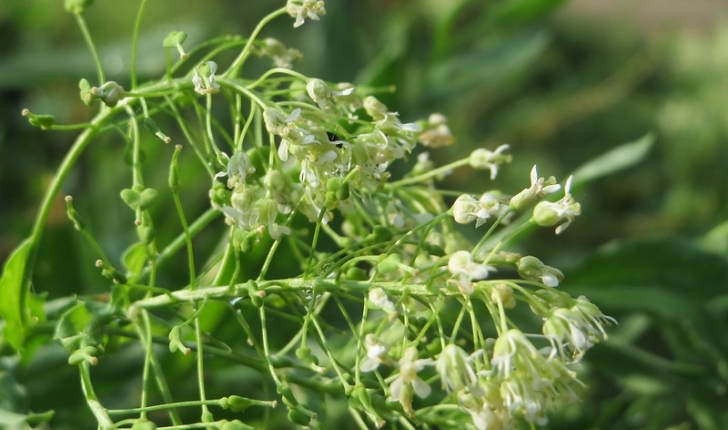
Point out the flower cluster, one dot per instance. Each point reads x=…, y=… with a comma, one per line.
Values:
x=302, y=9
x=338, y=232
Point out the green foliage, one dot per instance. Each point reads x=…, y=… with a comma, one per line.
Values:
x=670, y=354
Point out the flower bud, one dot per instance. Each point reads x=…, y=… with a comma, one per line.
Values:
x=546, y=214
x=502, y=293
x=110, y=93
x=532, y=268
x=236, y=403
x=375, y=109
x=43, y=121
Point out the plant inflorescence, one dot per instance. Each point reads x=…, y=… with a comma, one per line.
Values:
x=345, y=271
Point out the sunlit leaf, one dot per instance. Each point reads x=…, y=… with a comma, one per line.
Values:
x=612, y=161
x=13, y=291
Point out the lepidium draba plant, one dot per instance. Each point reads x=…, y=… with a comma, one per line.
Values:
x=352, y=291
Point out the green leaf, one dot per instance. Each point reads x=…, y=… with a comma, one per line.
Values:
x=619, y=158
x=139, y=200
x=716, y=240
x=519, y=11
x=14, y=287
x=73, y=322
x=134, y=258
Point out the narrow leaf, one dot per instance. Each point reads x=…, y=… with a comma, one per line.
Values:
x=619, y=158
x=13, y=291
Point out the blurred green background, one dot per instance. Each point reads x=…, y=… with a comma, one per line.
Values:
x=561, y=82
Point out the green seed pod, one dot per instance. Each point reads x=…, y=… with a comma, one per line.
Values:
x=382, y=234
x=343, y=192
x=143, y=424
x=148, y=198
x=234, y=425
x=254, y=294
x=173, y=179
x=73, y=215
x=174, y=38
x=300, y=415
x=288, y=398
x=146, y=234
x=236, y=403
x=334, y=184
x=389, y=263
x=207, y=417
x=43, y=121
x=356, y=274
x=436, y=250
x=304, y=353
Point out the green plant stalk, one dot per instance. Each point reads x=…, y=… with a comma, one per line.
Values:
x=239, y=290
x=135, y=44
x=89, y=41
x=79, y=145
x=266, y=350
x=332, y=359
x=145, y=336
x=430, y=173
x=238, y=62
x=96, y=407
x=163, y=387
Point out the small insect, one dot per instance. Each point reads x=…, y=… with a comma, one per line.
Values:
x=336, y=140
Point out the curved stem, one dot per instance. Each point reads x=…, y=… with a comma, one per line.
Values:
x=135, y=44
x=246, y=49
x=89, y=41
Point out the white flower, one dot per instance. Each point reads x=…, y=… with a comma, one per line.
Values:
x=197, y=82
x=532, y=268
x=282, y=57
x=407, y=381
x=484, y=159
x=437, y=133
x=530, y=382
x=208, y=84
x=300, y=9
x=539, y=188
x=455, y=369
x=466, y=209
x=286, y=127
x=376, y=353
x=574, y=330
x=238, y=169
x=212, y=85
x=379, y=298
x=461, y=264
x=547, y=214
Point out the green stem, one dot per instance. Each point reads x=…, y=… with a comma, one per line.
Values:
x=96, y=407
x=238, y=290
x=431, y=173
x=201, y=222
x=89, y=41
x=135, y=44
x=235, y=66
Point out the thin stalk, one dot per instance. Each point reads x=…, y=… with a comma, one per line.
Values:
x=89, y=41
x=135, y=44
x=235, y=66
